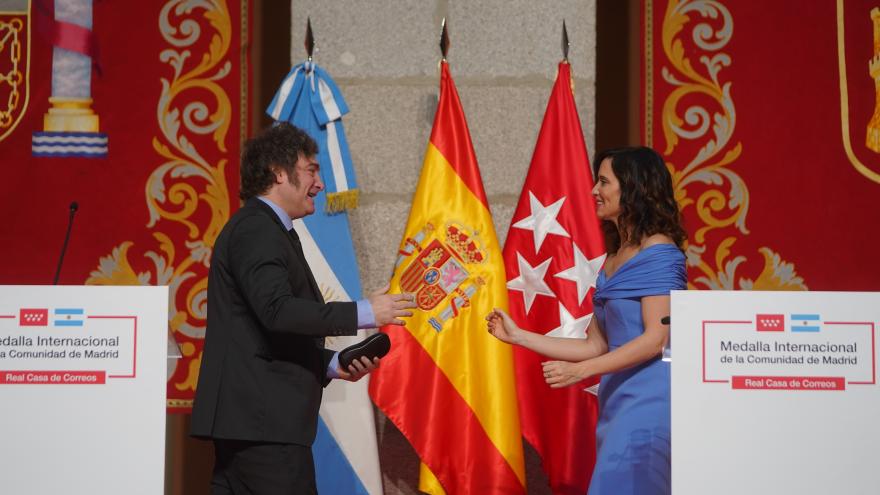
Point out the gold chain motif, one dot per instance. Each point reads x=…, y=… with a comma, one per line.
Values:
x=10, y=36
x=722, y=197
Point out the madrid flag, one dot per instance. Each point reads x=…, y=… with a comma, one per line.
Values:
x=553, y=254
x=447, y=384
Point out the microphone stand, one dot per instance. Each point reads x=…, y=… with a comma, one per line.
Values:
x=73, y=207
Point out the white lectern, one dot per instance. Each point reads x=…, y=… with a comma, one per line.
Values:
x=775, y=392
x=82, y=383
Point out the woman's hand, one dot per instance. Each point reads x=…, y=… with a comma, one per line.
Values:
x=502, y=327
x=560, y=374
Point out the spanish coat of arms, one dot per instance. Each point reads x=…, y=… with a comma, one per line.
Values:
x=437, y=271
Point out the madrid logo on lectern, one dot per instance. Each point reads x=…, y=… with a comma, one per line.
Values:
x=29, y=317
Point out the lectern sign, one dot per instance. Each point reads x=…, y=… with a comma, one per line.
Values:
x=775, y=392
x=69, y=347
x=82, y=380
x=796, y=351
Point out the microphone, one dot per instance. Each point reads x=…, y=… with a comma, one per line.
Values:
x=667, y=348
x=73, y=207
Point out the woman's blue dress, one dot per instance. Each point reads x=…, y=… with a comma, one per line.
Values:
x=632, y=435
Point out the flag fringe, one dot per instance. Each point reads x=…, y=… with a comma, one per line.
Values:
x=339, y=202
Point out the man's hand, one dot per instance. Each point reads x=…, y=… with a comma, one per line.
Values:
x=389, y=308
x=358, y=369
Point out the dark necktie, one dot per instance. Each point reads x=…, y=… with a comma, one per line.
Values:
x=297, y=247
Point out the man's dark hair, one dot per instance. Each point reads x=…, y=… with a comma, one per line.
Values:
x=278, y=146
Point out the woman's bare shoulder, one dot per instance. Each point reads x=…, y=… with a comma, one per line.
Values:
x=654, y=239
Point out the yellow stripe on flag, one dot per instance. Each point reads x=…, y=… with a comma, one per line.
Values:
x=428, y=483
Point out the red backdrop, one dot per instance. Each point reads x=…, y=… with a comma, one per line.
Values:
x=168, y=86
x=745, y=101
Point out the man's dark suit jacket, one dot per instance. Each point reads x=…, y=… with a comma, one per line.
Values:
x=264, y=364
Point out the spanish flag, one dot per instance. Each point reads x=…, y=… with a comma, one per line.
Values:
x=447, y=384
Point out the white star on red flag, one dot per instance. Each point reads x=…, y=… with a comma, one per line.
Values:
x=531, y=280
x=584, y=272
x=542, y=220
x=569, y=326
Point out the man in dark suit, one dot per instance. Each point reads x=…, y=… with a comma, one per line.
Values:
x=264, y=364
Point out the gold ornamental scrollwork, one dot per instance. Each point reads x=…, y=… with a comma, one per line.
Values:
x=700, y=111
x=185, y=188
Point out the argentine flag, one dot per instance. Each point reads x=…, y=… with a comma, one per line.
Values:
x=345, y=450
x=805, y=322
x=69, y=317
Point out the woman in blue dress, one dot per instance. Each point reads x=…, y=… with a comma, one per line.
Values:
x=644, y=237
